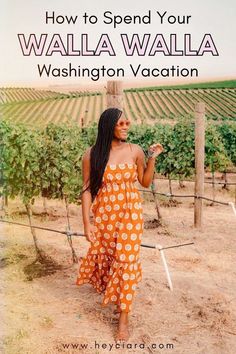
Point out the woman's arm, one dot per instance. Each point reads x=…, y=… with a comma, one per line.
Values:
x=146, y=171
x=86, y=196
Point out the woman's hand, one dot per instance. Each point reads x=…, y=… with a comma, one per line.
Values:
x=155, y=150
x=89, y=231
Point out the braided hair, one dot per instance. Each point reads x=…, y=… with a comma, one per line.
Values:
x=100, y=151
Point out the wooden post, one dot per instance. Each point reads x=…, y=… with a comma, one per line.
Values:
x=82, y=122
x=199, y=161
x=115, y=94
x=235, y=196
x=74, y=256
x=213, y=188
x=154, y=189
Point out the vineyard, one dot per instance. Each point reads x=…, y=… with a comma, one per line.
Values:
x=43, y=140
x=143, y=105
x=47, y=162
x=41, y=147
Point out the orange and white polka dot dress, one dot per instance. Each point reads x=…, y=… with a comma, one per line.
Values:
x=112, y=264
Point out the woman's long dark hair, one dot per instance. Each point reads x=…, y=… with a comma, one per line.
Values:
x=101, y=149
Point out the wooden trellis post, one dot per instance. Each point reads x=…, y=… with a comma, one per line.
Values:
x=115, y=94
x=199, y=161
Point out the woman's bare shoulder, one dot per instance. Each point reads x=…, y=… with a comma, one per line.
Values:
x=136, y=148
x=137, y=152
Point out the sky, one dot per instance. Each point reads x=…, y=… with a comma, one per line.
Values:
x=26, y=16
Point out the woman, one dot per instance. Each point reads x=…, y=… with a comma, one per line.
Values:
x=110, y=168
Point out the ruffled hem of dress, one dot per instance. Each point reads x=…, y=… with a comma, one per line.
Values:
x=117, y=280
x=121, y=292
x=96, y=273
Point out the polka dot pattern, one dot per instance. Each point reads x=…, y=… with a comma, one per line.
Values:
x=112, y=264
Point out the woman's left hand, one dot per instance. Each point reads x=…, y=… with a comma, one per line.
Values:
x=156, y=149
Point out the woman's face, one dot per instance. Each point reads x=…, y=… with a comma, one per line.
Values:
x=122, y=127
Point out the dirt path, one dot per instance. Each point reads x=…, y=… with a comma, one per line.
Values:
x=42, y=315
